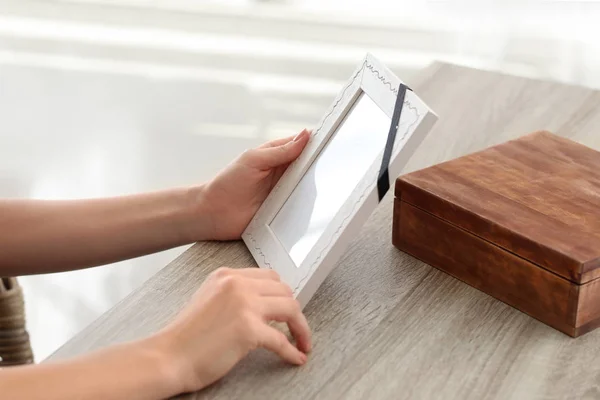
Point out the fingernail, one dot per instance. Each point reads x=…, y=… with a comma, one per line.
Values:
x=303, y=358
x=300, y=136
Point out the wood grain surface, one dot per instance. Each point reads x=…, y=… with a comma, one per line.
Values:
x=487, y=267
x=537, y=196
x=588, y=307
x=387, y=326
x=519, y=221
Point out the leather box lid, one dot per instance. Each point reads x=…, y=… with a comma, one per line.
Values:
x=537, y=197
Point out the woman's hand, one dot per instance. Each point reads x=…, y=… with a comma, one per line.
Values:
x=234, y=195
x=226, y=319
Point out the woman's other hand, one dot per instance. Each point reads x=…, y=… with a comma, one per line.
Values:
x=227, y=318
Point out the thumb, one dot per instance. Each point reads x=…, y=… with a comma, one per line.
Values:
x=272, y=157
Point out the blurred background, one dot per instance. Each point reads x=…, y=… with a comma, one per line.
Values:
x=101, y=98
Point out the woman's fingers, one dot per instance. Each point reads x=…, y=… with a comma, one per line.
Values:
x=273, y=300
x=266, y=158
x=288, y=310
x=275, y=341
x=253, y=273
x=261, y=281
x=269, y=288
x=282, y=141
x=277, y=142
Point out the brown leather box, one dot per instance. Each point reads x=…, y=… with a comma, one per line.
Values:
x=519, y=221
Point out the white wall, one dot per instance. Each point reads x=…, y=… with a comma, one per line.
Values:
x=549, y=39
x=284, y=60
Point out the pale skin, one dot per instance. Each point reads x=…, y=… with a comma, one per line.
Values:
x=229, y=316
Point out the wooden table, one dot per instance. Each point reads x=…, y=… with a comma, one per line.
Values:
x=386, y=325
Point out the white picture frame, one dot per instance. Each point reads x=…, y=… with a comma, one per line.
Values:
x=304, y=275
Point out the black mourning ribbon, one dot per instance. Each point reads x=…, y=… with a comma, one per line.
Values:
x=383, y=180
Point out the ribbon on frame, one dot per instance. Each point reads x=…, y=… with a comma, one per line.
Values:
x=383, y=179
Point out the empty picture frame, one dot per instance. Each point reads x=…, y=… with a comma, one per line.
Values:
x=327, y=194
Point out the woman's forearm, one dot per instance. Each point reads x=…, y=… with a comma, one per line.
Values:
x=138, y=370
x=39, y=236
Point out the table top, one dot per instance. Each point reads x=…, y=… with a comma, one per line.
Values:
x=386, y=325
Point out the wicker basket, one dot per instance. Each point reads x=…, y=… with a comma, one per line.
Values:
x=15, y=348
